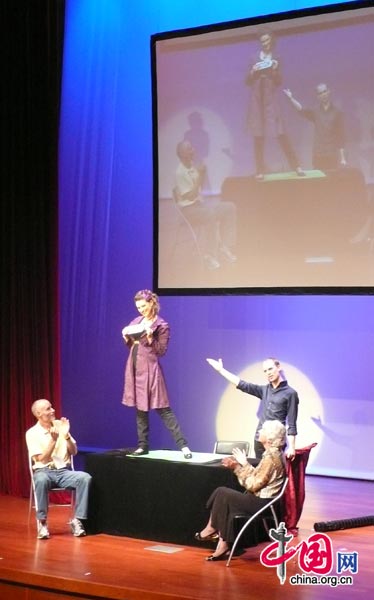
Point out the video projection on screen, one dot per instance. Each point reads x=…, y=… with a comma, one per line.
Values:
x=264, y=154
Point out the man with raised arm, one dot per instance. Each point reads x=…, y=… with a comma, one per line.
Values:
x=279, y=401
x=328, y=145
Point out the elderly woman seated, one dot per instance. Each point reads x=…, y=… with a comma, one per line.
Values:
x=261, y=483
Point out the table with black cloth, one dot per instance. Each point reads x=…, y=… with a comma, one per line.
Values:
x=152, y=499
x=301, y=223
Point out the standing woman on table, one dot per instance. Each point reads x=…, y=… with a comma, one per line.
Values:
x=147, y=337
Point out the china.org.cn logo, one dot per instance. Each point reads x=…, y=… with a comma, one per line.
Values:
x=316, y=559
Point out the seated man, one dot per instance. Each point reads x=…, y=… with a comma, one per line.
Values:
x=217, y=217
x=50, y=447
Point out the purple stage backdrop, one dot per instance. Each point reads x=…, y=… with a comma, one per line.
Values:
x=325, y=343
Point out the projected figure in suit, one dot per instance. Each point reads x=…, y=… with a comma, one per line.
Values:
x=328, y=146
x=278, y=399
x=265, y=119
x=262, y=483
x=217, y=217
x=147, y=337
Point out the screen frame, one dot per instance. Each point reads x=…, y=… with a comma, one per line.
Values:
x=263, y=20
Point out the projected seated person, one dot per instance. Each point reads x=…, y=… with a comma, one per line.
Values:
x=328, y=145
x=217, y=217
x=278, y=400
x=261, y=482
x=50, y=447
x=265, y=119
x=147, y=337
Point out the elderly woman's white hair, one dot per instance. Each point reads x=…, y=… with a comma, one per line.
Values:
x=275, y=433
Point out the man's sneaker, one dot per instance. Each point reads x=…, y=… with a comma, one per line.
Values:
x=228, y=255
x=211, y=262
x=77, y=528
x=43, y=533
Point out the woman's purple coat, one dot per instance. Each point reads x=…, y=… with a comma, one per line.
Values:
x=145, y=388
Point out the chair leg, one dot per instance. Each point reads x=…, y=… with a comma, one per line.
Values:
x=232, y=551
x=31, y=496
x=275, y=519
x=32, y=501
x=250, y=520
x=70, y=505
x=193, y=234
x=239, y=536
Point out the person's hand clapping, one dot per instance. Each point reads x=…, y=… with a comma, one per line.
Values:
x=240, y=456
x=216, y=364
x=201, y=167
x=229, y=462
x=64, y=426
x=54, y=433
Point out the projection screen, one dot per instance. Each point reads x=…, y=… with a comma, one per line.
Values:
x=264, y=154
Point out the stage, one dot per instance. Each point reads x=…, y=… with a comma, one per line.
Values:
x=116, y=567
x=312, y=227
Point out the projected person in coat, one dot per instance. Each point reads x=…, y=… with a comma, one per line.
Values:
x=328, y=121
x=147, y=337
x=265, y=119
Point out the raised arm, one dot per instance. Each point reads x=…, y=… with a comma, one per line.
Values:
x=218, y=366
x=293, y=100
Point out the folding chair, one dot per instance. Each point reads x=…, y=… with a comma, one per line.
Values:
x=193, y=231
x=269, y=505
x=226, y=446
x=56, y=490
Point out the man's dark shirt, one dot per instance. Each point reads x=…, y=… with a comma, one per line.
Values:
x=329, y=129
x=279, y=403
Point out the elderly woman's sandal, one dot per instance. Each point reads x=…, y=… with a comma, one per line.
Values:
x=208, y=538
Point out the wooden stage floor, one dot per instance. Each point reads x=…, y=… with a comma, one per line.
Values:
x=110, y=567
